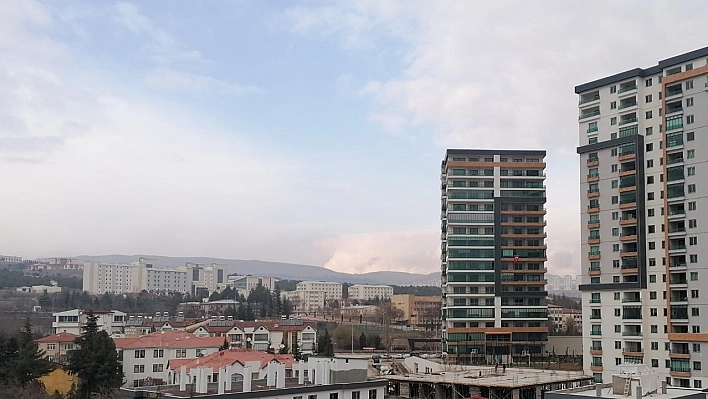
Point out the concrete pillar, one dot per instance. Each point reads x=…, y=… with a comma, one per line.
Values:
x=515, y=393
x=270, y=377
x=280, y=376
x=183, y=378
x=222, y=383
x=539, y=393
x=229, y=372
x=246, y=379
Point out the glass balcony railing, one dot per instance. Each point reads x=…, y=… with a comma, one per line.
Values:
x=589, y=114
x=627, y=88
x=631, y=333
x=627, y=105
x=673, y=92
x=589, y=99
x=592, y=129
x=626, y=121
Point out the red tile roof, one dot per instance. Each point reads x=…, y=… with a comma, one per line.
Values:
x=59, y=338
x=227, y=357
x=169, y=339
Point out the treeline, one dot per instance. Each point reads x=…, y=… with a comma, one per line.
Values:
x=260, y=303
x=14, y=278
x=566, y=301
x=143, y=302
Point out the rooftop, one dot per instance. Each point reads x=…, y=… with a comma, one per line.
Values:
x=230, y=356
x=169, y=339
x=59, y=338
x=589, y=390
x=512, y=378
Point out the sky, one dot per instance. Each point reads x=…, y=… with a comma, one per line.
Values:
x=306, y=132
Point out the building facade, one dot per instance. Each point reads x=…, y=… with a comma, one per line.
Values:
x=418, y=310
x=365, y=292
x=244, y=284
x=643, y=189
x=306, y=301
x=71, y=321
x=144, y=359
x=331, y=290
x=493, y=255
x=56, y=347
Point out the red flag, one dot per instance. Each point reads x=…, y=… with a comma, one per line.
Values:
x=516, y=258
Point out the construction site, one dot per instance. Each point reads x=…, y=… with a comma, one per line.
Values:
x=421, y=378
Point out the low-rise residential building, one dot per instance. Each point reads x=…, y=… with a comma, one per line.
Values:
x=71, y=321
x=262, y=335
x=39, y=289
x=162, y=321
x=359, y=310
x=145, y=358
x=244, y=284
x=564, y=319
x=331, y=290
x=10, y=259
x=418, y=310
x=306, y=301
x=237, y=359
x=57, y=346
x=365, y=292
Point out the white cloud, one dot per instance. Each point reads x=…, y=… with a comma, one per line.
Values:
x=176, y=80
x=406, y=251
x=502, y=74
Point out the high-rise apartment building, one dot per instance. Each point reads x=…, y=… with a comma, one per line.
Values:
x=493, y=255
x=644, y=185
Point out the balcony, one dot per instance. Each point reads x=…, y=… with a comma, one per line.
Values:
x=631, y=333
x=594, y=300
x=627, y=88
x=671, y=110
x=589, y=99
x=632, y=313
x=631, y=299
x=679, y=312
x=674, y=92
x=627, y=104
x=678, y=281
x=592, y=129
x=589, y=115
x=627, y=121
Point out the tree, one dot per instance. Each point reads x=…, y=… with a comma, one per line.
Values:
x=296, y=350
x=29, y=363
x=362, y=340
x=95, y=362
x=225, y=345
x=283, y=348
x=325, y=346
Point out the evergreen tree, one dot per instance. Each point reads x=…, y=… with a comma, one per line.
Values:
x=225, y=345
x=296, y=350
x=95, y=362
x=29, y=364
x=325, y=347
x=362, y=340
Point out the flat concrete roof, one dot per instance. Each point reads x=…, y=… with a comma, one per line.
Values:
x=671, y=393
x=512, y=378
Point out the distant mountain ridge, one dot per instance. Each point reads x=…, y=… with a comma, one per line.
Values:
x=288, y=271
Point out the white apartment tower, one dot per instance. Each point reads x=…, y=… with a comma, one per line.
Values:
x=644, y=185
x=493, y=255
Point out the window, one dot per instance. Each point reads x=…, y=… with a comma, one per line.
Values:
x=613, y=89
x=356, y=395
x=649, y=131
x=648, y=82
x=692, y=223
x=618, y=328
x=139, y=368
x=618, y=344
x=652, y=278
x=697, y=383
x=51, y=347
x=648, y=114
x=617, y=296
x=181, y=353
x=692, y=240
x=654, y=329
x=617, y=313
x=692, y=206
x=650, y=179
x=694, y=294
x=334, y=395
x=618, y=361
x=650, y=163
x=615, y=215
x=615, y=263
x=158, y=368
x=652, y=261
x=592, y=140
x=615, y=279
x=615, y=247
x=372, y=394
x=652, y=245
x=655, y=346
x=691, y=171
x=696, y=329
x=615, y=199
x=652, y=295
x=696, y=347
x=613, y=121
x=691, y=188
x=689, y=66
x=655, y=362
x=689, y=102
x=650, y=196
x=650, y=212
x=694, y=275
x=695, y=312
x=689, y=119
x=647, y=98
x=613, y=105
x=614, y=168
x=690, y=154
x=158, y=353
x=140, y=353
x=615, y=231
x=689, y=85
x=690, y=136
x=653, y=312
x=693, y=258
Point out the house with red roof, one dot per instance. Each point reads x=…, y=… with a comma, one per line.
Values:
x=145, y=358
x=57, y=346
x=238, y=359
x=267, y=335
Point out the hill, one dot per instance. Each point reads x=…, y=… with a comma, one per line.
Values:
x=289, y=271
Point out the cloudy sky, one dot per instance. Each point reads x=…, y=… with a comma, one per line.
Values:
x=308, y=132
